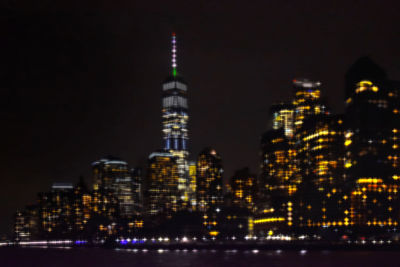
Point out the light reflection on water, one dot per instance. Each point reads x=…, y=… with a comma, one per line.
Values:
x=66, y=256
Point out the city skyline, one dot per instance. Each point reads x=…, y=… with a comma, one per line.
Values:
x=247, y=155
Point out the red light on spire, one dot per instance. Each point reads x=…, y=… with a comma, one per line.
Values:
x=173, y=34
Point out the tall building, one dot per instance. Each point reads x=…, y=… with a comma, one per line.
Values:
x=277, y=183
x=82, y=208
x=307, y=100
x=193, y=185
x=162, y=194
x=209, y=180
x=113, y=175
x=175, y=122
x=26, y=224
x=372, y=145
x=137, y=181
x=55, y=211
x=320, y=200
x=209, y=188
x=283, y=164
x=283, y=118
x=243, y=186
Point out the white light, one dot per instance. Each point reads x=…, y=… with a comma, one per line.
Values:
x=255, y=251
x=303, y=251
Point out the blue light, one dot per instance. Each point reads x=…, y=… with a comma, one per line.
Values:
x=184, y=144
x=123, y=242
x=176, y=143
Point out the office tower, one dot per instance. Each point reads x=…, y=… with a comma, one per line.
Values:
x=320, y=200
x=307, y=100
x=26, y=224
x=283, y=118
x=192, y=185
x=163, y=196
x=209, y=192
x=21, y=226
x=175, y=122
x=282, y=151
x=112, y=175
x=137, y=181
x=277, y=183
x=209, y=180
x=243, y=184
x=55, y=211
x=371, y=143
x=81, y=207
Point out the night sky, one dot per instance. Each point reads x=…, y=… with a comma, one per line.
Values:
x=80, y=81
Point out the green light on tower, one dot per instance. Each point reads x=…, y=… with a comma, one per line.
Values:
x=174, y=72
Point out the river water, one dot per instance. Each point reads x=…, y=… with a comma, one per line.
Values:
x=128, y=257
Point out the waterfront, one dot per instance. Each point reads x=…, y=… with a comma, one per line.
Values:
x=11, y=256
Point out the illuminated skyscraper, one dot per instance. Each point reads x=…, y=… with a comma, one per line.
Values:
x=137, y=180
x=284, y=162
x=277, y=182
x=193, y=184
x=209, y=188
x=55, y=211
x=162, y=192
x=283, y=118
x=112, y=175
x=175, y=121
x=321, y=198
x=81, y=207
x=307, y=100
x=209, y=180
x=243, y=185
x=372, y=145
x=26, y=224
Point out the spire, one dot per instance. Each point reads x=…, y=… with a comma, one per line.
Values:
x=174, y=63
